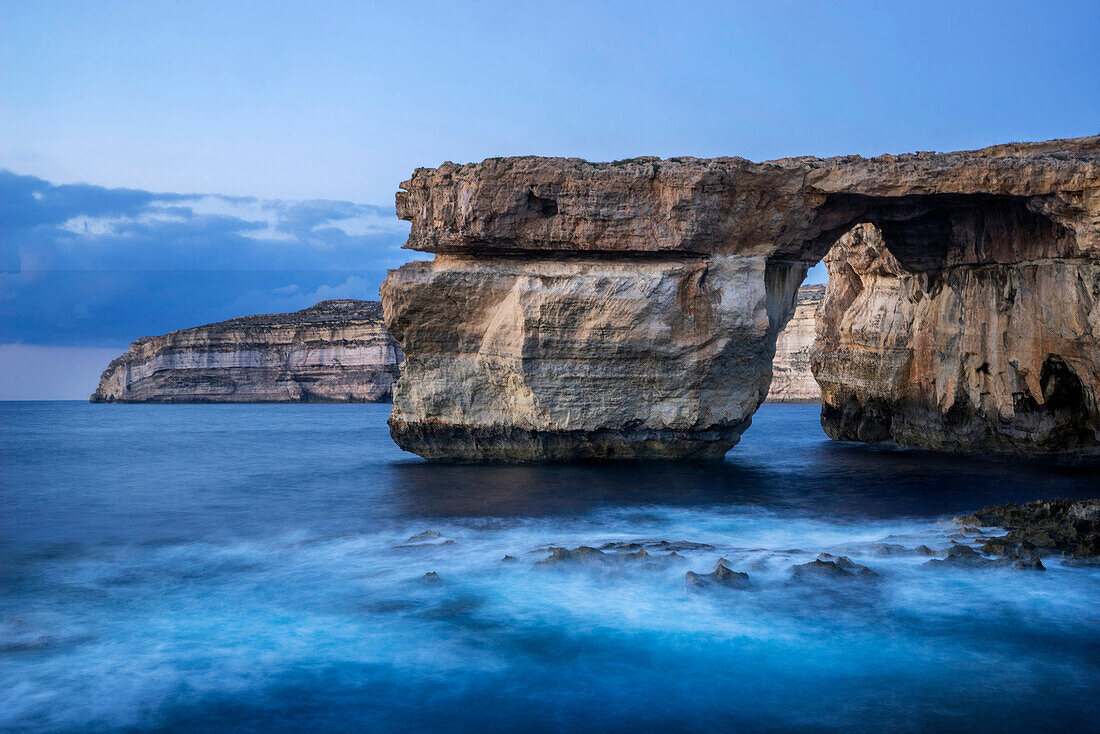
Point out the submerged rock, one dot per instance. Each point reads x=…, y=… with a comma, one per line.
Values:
x=829, y=567
x=582, y=554
x=621, y=546
x=963, y=556
x=655, y=545
x=1045, y=526
x=889, y=549
x=587, y=555
x=426, y=535
x=431, y=577
x=722, y=576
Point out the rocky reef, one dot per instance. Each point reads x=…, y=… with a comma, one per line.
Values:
x=335, y=351
x=630, y=310
x=792, y=376
x=1043, y=527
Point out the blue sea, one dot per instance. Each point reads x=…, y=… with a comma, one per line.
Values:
x=261, y=568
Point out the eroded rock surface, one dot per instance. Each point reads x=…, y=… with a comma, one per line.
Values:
x=952, y=349
x=630, y=310
x=721, y=576
x=1042, y=527
x=584, y=358
x=336, y=351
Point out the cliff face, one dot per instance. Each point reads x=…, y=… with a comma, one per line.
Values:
x=1003, y=356
x=582, y=359
x=336, y=351
x=792, y=378
x=631, y=309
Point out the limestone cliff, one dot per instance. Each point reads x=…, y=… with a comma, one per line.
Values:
x=792, y=378
x=335, y=351
x=1001, y=356
x=631, y=309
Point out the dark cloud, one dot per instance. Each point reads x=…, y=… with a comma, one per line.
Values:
x=82, y=264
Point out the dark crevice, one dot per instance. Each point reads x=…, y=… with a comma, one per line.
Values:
x=540, y=205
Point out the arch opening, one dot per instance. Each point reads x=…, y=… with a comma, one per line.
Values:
x=933, y=313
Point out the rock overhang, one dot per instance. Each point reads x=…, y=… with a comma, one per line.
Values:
x=781, y=208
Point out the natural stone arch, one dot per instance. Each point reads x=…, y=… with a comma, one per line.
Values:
x=630, y=310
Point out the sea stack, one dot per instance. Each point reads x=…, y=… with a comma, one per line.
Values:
x=630, y=310
x=335, y=351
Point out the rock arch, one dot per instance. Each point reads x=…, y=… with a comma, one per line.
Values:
x=629, y=310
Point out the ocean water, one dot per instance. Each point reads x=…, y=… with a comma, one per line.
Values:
x=256, y=568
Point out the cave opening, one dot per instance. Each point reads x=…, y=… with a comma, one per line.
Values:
x=541, y=205
x=1065, y=406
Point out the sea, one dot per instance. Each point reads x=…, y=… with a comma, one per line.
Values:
x=271, y=568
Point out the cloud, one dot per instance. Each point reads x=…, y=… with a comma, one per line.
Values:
x=87, y=265
x=91, y=227
x=354, y=287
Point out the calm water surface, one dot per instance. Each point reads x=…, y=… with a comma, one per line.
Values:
x=250, y=568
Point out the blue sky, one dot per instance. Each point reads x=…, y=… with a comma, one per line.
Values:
x=241, y=157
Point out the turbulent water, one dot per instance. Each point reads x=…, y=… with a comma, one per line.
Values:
x=255, y=568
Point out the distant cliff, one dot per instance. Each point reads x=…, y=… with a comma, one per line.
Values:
x=792, y=380
x=336, y=351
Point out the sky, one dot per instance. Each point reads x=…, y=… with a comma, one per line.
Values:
x=167, y=164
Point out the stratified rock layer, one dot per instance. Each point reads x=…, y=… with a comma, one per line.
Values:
x=583, y=310
x=585, y=358
x=792, y=377
x=336, y=351
x=1000, y=352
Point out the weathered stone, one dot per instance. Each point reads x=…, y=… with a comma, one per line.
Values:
x=1043, y=526
x=336, y=351
x=1031, y=564
x=425, y=535
x=959, y=555
x=582, y=359
x=792, y=377
x=630, y=310
x=582, y=554
x=722, y=576
x=587, y=555
x=1001, y=355
x=827, y=567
